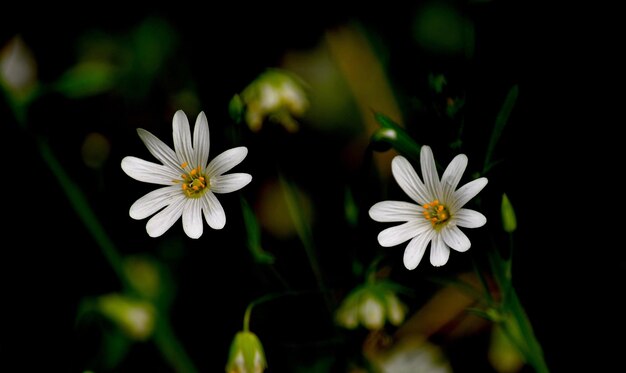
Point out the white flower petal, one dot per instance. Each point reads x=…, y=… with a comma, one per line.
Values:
x=149, y=172
x=467, y=218
x=192, y=218
x=154, y=201
x=456, y=239
x=415, y=249
x=429, y=173
x=452, y=176
x=159, y=149
x=229, y=183
x=409, y=181
x=394, y=211
x=439, y=251
x=227, y=160
x=201, y=141
x=372, y=313
x=403, y=232
x=466, y=193
x=182, y=139
x=162, y=221
x=213, y=211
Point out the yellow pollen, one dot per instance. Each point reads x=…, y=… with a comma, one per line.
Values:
x=194, y=183
x=436, y=213
x=184, y=165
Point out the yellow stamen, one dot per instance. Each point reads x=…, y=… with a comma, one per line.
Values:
x=436, y=213
x=184, y=165
x=194, y=183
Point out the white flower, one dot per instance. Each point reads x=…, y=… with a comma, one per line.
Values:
x=438, y=213
x=190, y=183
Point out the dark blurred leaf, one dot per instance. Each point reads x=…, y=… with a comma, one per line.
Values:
x=86, y=79
x=501, y=121
x=253, y=231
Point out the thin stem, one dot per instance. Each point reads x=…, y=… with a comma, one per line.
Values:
x=304, y=232
x=83, y=210
x=164, y=337
x=171, y=348
x=263, y=299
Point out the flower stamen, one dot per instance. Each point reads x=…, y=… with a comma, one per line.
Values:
x=436, y=213
x=194, y=183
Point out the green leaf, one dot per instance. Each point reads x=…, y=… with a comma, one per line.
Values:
x=501, y=121
x=86, y=79
x=393, y=134
x=253, y=231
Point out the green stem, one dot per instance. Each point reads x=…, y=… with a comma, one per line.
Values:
x=263, y=299
x=511, y=304
x=164, y=337
x=246, y=317
x=83, y=210
x=535, y=353
x=304, y=232
x=171, y=348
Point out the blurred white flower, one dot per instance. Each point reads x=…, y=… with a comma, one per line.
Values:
x=371, y=305
x=275, y=94
x=190, y=183
x=136, y=318
x=438, y=213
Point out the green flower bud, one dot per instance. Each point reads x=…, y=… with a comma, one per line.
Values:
x=135, y=318
x=371, y=305
x=509, y=222
x=246, y=354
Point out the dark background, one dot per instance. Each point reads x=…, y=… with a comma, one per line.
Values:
x=568, y=285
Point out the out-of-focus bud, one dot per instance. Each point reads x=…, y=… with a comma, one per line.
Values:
x=503, y=356
x=509, y=222
x=276, y=95
x=143, y=274
x=371, y=305
x=18, y=68
x=95, y=150
x=135, y=318
x=246, y=354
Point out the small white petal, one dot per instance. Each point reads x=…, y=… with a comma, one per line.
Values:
x=229, y=183
x=439, y=251
x=159, y=149
x=452, y=176
x=213, y=211
x=456, y=239
x=467, y=218
x=201, y=140
x=372, y=313
x=466, y=193
x=182, y=139
x=403, y=232
x=162, y=221
x=415, y=249
x=226, y=161
x=394, y=211
x=192, y=218
x=409, y=181
x=154, y=201
x=429, y=173
x=149, y=172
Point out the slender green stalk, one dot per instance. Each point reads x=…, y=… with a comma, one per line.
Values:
x=304, y=232
x=171, y=348
x=83, y=210
x=164, y=337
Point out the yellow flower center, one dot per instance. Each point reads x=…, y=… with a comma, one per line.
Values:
x=436, y=213
x=194, y=182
